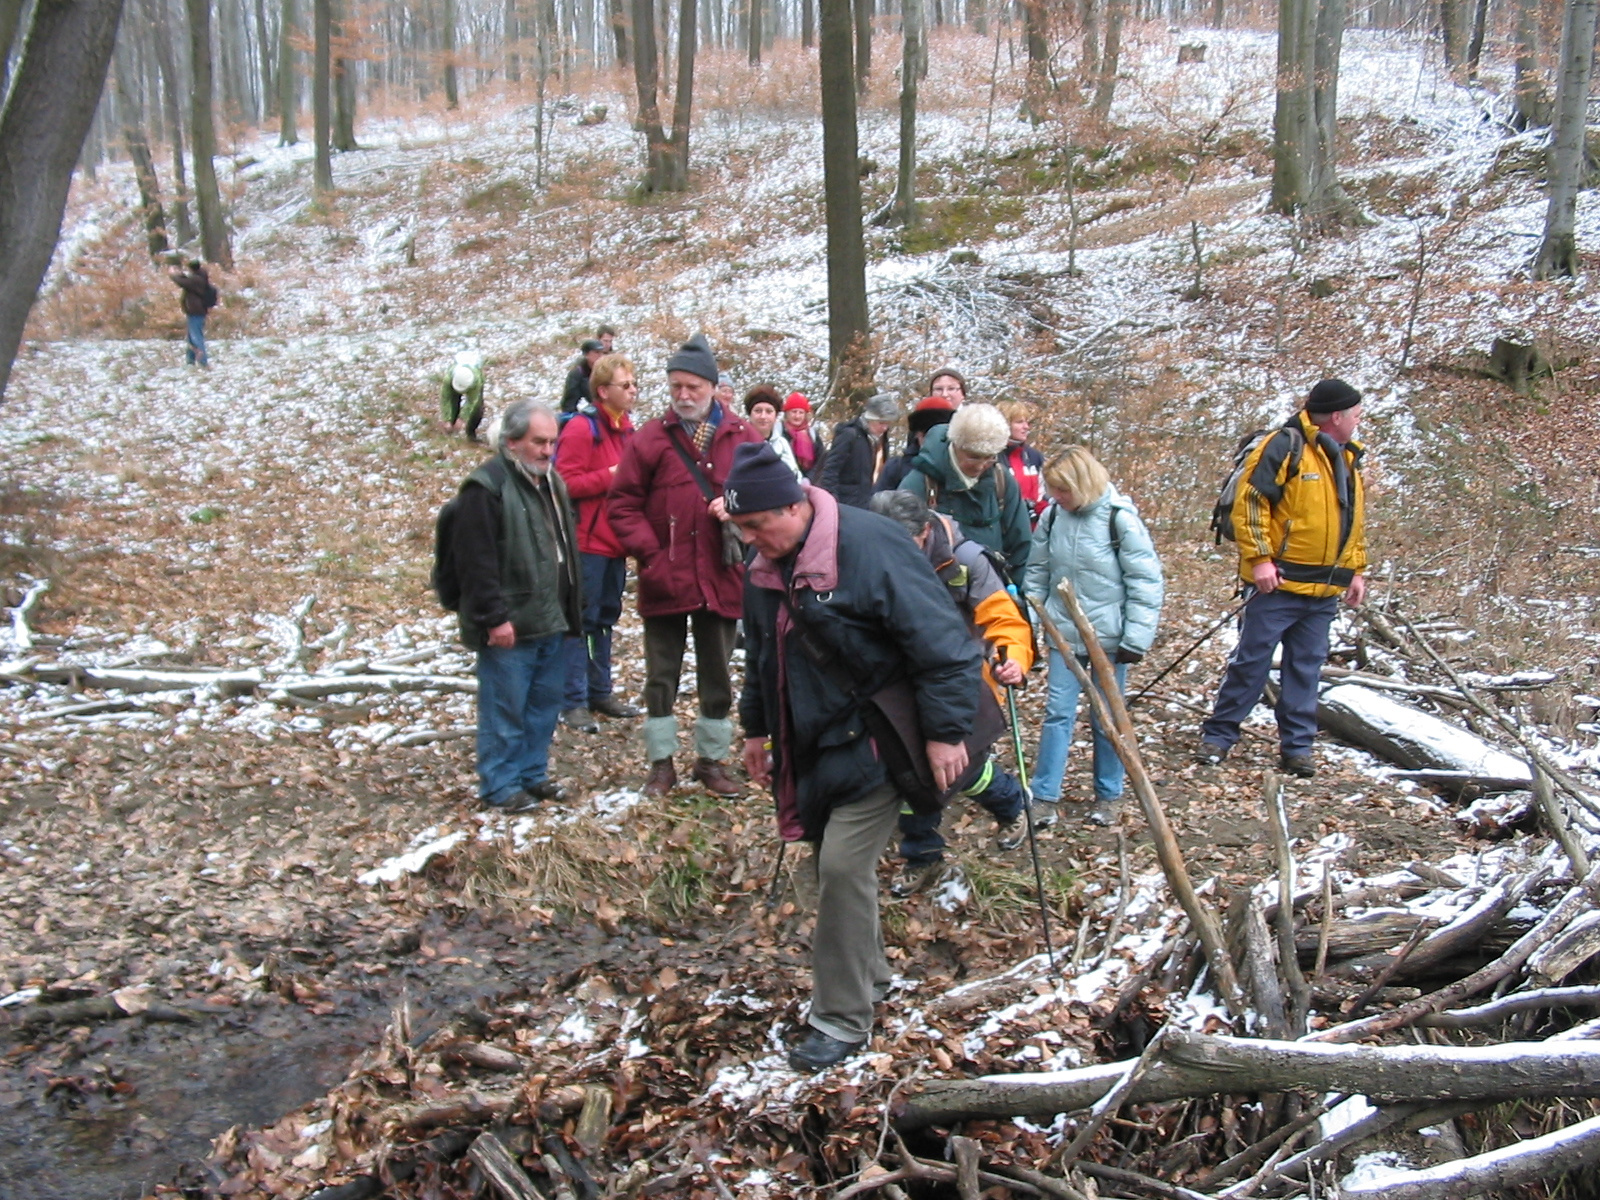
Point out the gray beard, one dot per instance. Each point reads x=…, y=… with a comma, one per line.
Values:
x=534, y=475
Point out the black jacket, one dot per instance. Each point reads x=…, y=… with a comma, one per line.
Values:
x=524, y=570
x=886, y=618
x=577, y=391
x=847, y=471
x=196, y=296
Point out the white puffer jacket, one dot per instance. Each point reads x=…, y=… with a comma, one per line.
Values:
x=1117, y=576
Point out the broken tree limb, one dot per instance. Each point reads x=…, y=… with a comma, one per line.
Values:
x=1111, y=1103
x=1506, y=1006
x=1560, y=821
x=1296, y=990
x=501, y=1169
x=1115, y=723
x=315, y=687
x=1496, y=1172
x=1567, y=951
x=1578, y=898
x=21, y=634
x=1199, y=1065
x=227, y=683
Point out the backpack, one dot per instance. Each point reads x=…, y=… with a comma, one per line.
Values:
x=1222, y=511
x=446, y=583
x=210, y=296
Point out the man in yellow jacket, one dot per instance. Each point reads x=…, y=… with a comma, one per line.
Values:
x=1298, y=520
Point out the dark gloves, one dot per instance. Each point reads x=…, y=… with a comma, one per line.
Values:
x=1125, y=655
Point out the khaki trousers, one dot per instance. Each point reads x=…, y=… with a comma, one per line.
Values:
x=848, y=969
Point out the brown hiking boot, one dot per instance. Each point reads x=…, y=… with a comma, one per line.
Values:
x=714, y=777
x=662, y=779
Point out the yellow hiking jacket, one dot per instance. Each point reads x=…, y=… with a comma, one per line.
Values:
x=1310, y=521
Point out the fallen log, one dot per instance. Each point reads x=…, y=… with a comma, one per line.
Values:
x=103, y=1008
x=227, y=683
x=489, y=1154
x=1197, y=1065
x=1418, y=741
x=1567, y=951
x=315, y=687
x=1499, y=1010
x=1498, y=1171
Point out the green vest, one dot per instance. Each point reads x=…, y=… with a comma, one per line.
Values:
x=537, y=548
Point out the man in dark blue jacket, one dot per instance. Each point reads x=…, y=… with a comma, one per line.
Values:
x=859, y=451
x=839, y=603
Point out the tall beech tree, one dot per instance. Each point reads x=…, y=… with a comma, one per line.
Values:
x=666, y=158
x=848, y=331
x=130, y=109
x=47, y=113
x=1558, y=252
x=322, y=97
x=203, y=138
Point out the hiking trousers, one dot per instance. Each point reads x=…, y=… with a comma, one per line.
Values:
x=1300, y=625
x=849, y=972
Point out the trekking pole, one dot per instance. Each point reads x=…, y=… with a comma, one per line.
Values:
x=1193, y=646
x=1027, y=814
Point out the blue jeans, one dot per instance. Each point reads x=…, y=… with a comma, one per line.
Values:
x=519, y=699
x=920, y=839
x=1300, y=624
x=1055, y=739
x=589, y=656
x=196, y=349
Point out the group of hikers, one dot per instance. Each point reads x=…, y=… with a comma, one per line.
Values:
x=885, y=601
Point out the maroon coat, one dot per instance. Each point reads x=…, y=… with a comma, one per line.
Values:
x=659, y=515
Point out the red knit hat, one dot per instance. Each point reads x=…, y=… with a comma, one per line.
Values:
x=935, y=410
x=796, y=400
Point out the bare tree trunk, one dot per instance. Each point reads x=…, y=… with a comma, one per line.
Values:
x=902, y=210
x=1110, y=60
x=808, y=24
x=863, y=32
x=848, y=330
x=658, y=153
x=288, y=79
x=203, y=138
x=264, y=48
x=753, y=32
x=1558, y=253
x=619, y=31
x=1293, y=121
x=447, y=38
x=1327, y=203
x=1533, y=104
x=978, y=15
x=1480, y=21
x=344, y=78
x=131, y=110
x=47, y=112
x=1035, y=28
x=1089, y=57
x=1219, y=13
x=322, y=96
x=156, y=15
x=1450, y=29
x=683, y=97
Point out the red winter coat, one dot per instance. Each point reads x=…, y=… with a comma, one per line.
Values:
x=585, y=461
x=659, y=515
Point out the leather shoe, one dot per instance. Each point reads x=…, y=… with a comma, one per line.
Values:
x=1298, y=764
x=819, y=1051
x=1210, y=753
x=548, y=790
x=714, y=777
x=612, y=707
x=662, y=779
x=580, y=719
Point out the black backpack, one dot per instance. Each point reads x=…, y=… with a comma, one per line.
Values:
x=210, y=296
x=1228, y=494
x=446, y=584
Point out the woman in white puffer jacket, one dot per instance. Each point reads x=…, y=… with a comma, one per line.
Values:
x=1090, y=535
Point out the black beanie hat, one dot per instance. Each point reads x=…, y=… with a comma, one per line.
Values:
x=1331, y=396
x=695, y=357
x=759, y=480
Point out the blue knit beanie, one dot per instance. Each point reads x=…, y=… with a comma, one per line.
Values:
x=759, y=480
x=695, y=357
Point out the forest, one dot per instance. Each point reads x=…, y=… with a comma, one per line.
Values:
x=258, y=938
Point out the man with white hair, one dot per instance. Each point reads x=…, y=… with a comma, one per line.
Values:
x=515, y=556
x=461, y=396
x=959, y=474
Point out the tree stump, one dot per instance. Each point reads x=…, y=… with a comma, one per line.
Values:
x=1517, y=364
x=1192, y=52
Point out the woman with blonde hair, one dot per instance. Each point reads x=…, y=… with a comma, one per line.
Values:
x=1023, y=460
x=1090, y=535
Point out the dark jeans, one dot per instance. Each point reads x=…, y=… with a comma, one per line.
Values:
x=589, y=656
x=664, y=641
x=195, y=350
x=1300, y=624
x=519, y=699
x=920, y=839
x=474, y=418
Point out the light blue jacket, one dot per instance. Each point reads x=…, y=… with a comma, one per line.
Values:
x=1117, y=578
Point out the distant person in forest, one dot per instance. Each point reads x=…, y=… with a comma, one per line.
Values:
x=859, y=452
x=199, y=298
x=516, y=558
x=576, y=393
x=461, y=393
x=1022, y=460
x=606, y=335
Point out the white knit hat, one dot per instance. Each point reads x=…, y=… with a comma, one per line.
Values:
x=463, y=377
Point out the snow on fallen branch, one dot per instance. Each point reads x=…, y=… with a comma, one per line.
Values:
x=1532, y=1161
x=1192, y=1064
x=21, y=634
